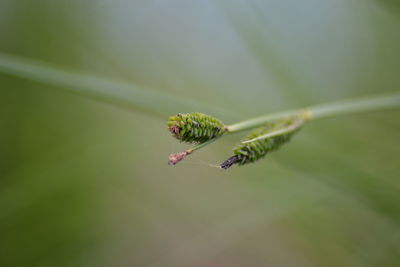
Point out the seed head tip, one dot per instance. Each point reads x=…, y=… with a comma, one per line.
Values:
x=175, y=158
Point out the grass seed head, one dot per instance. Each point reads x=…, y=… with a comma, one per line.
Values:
x=195, y=127
x=245, y=153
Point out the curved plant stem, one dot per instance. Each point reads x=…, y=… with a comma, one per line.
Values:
x=354, y=106
x=290, y=128
x=106, y=90
x=259, y=121
x=344, y=107
x=199, y=146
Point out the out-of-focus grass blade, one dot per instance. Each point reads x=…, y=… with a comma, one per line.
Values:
x=110, y=91
x=245, y=19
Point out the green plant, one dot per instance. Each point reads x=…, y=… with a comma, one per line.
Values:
x=263, y=140
x=195, y=127
x=277, y=129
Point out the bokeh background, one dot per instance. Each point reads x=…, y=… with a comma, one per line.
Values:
x=85, y=183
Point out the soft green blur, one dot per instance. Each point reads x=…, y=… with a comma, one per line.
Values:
x=84, y=183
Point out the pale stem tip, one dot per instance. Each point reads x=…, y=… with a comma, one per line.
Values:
x=175, y=158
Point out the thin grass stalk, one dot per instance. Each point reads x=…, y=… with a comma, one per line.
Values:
x=334, y=109
x=110, y=91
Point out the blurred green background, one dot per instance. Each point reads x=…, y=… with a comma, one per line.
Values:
x=84, y=183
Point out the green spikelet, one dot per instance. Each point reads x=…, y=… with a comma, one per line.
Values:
x=195, y=127
x=250, y=152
